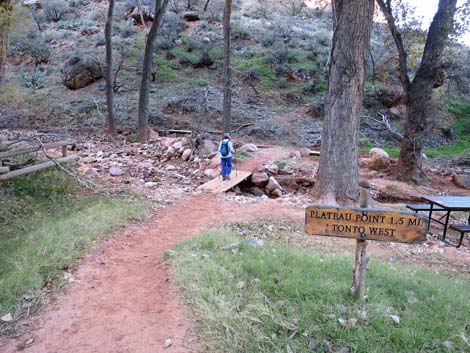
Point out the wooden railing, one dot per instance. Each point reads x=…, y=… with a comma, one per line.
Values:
x=5, y=172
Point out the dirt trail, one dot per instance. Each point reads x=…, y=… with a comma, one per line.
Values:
x=125, y=300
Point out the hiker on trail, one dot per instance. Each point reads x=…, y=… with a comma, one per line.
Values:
x=226, y=152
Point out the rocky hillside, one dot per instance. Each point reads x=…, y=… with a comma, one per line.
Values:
x=280, y=53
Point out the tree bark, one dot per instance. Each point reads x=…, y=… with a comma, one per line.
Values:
x=227, y=67
x=143, y=131
x=5, y=14
x=108, y=33
x=419, y=90
x=337, y=177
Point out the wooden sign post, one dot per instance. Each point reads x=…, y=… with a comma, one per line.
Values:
x=364, y=224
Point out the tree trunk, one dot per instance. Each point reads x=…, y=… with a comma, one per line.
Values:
x=419, y=90
x=419, y=94
x=227, y=68
x=337, y=177
x=5, y=13
x=108, y=33
x=160, y=7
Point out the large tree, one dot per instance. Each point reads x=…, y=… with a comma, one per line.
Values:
x=160, y=7
x=108, y=33
x=5, y=17
x=418, y=90
x=337, y=176
x=227, y=68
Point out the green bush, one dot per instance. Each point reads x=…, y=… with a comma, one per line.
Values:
x=73, y=24
x=32, y=81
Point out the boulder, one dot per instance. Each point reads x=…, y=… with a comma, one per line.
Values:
x=260, y=179
x=80, y=71
x=92, y=172
x=272, y=169
x=153, y=135
x=379, y=159
x=272, y=185
x=115, y=171
x=276, y=193
x=304, y=152
x=177, y=145
x=215, y=161
x=288, y=182
x=249, y=147
x=170, y=152
x=462, y=180
x=191, y=16
x=186, y=154
x=257, y=191
x=363, y=162
x=207, y=147
x=316, y=110
x=167, y=141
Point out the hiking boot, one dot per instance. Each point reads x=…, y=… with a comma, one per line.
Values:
x=228, y=177
x=224, y=178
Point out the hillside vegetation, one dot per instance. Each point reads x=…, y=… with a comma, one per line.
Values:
x=280, y=56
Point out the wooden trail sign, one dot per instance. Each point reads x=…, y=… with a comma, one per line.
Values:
x=365, y=224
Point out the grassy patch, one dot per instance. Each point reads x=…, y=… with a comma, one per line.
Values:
x=461, y=125
x=242, y=155
x=393, y=152
x=165, y=71
x=256, y=67
x=279, y=298
x=460, y=149
x=45, y=228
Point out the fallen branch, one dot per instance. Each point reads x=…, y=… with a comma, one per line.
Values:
x=389, y=127
x=243, y=126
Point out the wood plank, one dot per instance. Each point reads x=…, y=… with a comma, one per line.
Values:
x=36, y=167
x=365, y=224
x=218, y=185
x=19, y=151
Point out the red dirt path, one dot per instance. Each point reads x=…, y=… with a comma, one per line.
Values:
x=125, y=300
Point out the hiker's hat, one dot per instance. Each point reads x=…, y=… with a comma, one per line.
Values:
x=226, y=135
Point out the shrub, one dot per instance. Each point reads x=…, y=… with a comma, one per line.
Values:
x=74, y=24
x=126, y=29
x=32, y=81
x=99, y=15
x=55, y=10
x=294, y=7
x=215, y=11
x=78, y=3
x=172, y=26
x=34, y=45
x=240, y=31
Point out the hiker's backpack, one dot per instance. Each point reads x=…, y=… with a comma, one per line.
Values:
x=224, y=148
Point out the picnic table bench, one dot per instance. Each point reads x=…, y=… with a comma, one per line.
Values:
x=445, y=205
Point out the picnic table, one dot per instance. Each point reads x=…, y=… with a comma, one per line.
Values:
x=447, y=205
